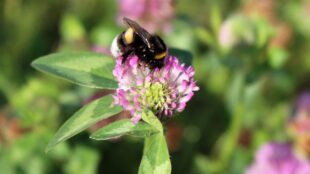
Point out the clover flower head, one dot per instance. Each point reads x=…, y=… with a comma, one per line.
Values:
x=163, y=91
x=278, y=158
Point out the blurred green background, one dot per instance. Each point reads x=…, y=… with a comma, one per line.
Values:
x=251, y=60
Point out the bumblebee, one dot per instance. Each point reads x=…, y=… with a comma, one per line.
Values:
x=150, y=48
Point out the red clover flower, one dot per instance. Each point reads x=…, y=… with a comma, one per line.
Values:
x=163, y=91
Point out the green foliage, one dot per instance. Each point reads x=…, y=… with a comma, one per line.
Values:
x=27, y=155
x=151, y=119
x=83, y=160
x=71, y=28
x=87, y=69
x=247, y=87
x=124, y=127
x=84, y=118
x=155, y=158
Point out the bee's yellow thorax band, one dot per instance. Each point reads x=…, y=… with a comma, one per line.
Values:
x=129, y=35
x=160, y=56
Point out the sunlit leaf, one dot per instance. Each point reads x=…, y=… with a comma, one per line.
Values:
x=83, y=68
x=124, y=127
x=84, y=118
x=155, y=158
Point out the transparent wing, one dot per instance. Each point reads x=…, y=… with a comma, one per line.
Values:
x=145, y=36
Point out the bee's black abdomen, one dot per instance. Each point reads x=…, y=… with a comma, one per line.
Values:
x=147, y=56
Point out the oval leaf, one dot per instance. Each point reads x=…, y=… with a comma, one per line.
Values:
x=124, y=127
x=87, y=116
x=184, y=56
x=155, y=158
x=83, y=68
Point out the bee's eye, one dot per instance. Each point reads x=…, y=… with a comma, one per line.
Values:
x=129, y=36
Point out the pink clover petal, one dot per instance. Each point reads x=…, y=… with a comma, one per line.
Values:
x=181, y=107
x=187, y=97
x=174, y=86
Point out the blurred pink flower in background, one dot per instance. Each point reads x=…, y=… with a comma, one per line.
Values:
x=301, y=116
x=235, y=30
x=226, y=36
x=303, y=102
x=267, y=9
x=299, y=124
x=263, y=8
x=278, y=158
x=101, y=49
x=154, y=15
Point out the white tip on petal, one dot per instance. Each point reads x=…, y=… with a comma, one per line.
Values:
x=187, y=97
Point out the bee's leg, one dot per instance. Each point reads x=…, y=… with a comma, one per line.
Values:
x=160, y=64
x=125, y=55
x=156, y=64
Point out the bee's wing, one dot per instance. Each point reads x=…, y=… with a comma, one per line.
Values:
x=145, y=36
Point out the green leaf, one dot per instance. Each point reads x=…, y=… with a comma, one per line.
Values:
x=184, y=56
x=87, y=116
x=205, y=36
x=155, y=158
x=150, y=118
x=83, y=68
x=124, y=127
